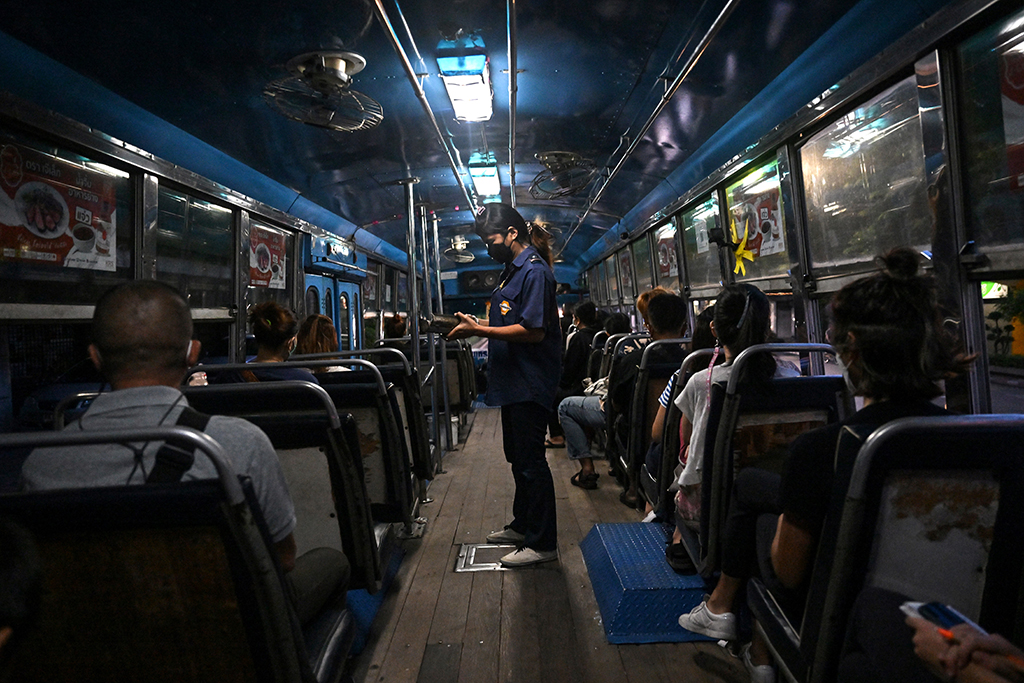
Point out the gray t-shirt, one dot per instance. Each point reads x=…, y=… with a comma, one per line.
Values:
x=247, y=447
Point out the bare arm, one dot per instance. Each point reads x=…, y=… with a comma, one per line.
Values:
x=791, y=552
x=469, y=327
x=658, y=428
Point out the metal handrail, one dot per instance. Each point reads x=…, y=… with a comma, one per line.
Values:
x=270, y=388
x=381, y=385
x=745, y=355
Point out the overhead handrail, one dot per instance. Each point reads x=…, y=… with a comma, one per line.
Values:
x=189, y=437
x=691, y=62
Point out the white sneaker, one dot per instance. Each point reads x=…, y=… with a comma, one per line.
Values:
x=703, y=621
x=523, y=557
x=759, y=673
x=506, y=535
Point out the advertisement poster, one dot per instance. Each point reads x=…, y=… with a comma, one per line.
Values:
x=760, y=221
x=668, y=260
x=266, y=258
x=55, y=213
x=626, y=271
x=1011, y=77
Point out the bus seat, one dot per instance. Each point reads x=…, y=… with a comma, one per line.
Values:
x=759, y=422
x=320, y=456
x=175, y=582
x=931, y=507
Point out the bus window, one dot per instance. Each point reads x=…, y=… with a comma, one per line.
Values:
x=755, y=224
x=1004, y=330
x=703, y=271
x=312, y=301
x=865, y=184
x=601, y=286
x=642, y=259
x=328, y=304
x=403, y=292
x=992, y=121
x=371, y=305
x=389, y=289
x=194, y=248
x=343, y=321
x=626, y=275
x=612, y=279
x=666, y=257
x=75, y=212
x=268, y=264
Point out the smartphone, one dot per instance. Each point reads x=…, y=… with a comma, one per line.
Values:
x=939, y=614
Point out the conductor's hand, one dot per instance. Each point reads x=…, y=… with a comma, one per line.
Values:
x=469, y=327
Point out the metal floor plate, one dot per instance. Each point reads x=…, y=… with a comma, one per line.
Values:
x=482, y=557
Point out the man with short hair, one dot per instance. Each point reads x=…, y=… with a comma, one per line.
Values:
x=143, y=346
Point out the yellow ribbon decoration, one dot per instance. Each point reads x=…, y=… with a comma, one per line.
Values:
x=741, y=250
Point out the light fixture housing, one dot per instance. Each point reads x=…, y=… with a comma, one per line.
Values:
x=465, y=72
x=483, y=170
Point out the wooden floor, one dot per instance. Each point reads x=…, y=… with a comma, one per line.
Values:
x=538, y=623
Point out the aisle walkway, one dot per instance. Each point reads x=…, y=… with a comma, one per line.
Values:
x=534, y=624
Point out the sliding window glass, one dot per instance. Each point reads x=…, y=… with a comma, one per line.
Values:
x=626, y=281
x=703, y=271
x=66, y=232
x=613, y=280
x=642, y=259
x=755, y=225
x=865, y=185
x=195, y=247
x=991, y=75
x=602, y=284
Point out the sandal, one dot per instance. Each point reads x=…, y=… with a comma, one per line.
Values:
x=679, y=559
x=588, y=481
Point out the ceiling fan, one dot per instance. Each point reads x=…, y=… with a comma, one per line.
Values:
x=318, y=93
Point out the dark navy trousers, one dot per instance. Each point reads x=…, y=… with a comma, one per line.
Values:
x=523, y=428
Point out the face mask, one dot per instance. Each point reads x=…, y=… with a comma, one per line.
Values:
x=500, y=252
x=845, y=369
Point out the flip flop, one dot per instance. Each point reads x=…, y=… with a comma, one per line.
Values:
x=588, y=482
x=548, y=444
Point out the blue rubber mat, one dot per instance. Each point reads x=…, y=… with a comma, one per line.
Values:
x=640, y=596
x=364, y=606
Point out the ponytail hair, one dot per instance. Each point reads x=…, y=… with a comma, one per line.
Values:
x=272, y=324
x=742, y=315
x=891, y=324
x=495, y=219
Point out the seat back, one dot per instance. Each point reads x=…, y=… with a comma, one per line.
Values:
x=167, y=582
x=755, y=424
x=596, y=354
x=319, y=451
x=652, y=377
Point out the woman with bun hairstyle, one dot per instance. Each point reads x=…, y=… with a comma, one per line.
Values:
x=524, y=366
x=889, y=339
x=275, y=329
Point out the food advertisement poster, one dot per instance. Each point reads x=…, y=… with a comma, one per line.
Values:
x=56, y=213
x=759, y=220
x=266, y=258
x=668, y=260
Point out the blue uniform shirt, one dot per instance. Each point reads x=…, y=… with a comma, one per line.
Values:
x=520, y=372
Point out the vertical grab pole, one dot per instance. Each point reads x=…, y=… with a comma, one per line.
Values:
x=410, y=283
x=444, y=342
x=431, y=337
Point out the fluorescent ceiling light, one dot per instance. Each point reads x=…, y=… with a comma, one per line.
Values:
x=463, y=66
x=484, y=172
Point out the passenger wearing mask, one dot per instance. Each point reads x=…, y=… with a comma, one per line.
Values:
x=889, y=338
x=276, y=331
x=524, y=359
x=142, y=344
x=574, y=366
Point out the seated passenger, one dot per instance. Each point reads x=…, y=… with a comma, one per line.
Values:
x=317, y=335
x=741, y=319
x=275, y=329
x=574, y=366
x=666, y=320
x=394, y=327
x=142, y=344
x=889, y=338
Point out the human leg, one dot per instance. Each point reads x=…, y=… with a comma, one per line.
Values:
x=523, y=427
x=577, y=414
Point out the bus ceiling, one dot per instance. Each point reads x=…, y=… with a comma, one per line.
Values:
x=650, y=92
